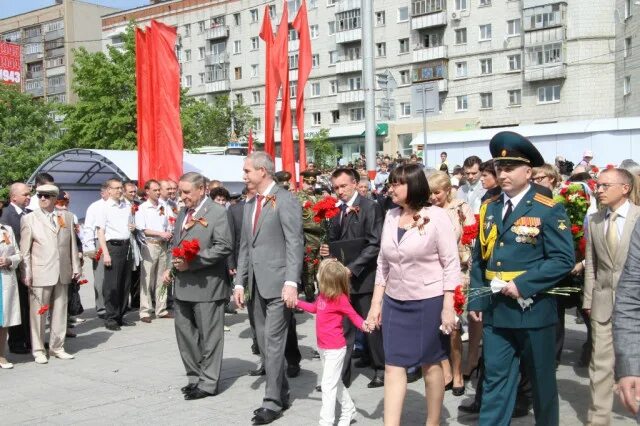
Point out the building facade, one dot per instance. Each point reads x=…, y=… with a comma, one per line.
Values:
x=494, y=63
x=627, y=63
x=47, y=37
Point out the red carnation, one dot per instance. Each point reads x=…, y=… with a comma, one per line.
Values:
x=575, y=229
x=83, y=282
x=582, y=245
x=459, y=300
x=43, y=309
x=308, y=205
x=469, y=233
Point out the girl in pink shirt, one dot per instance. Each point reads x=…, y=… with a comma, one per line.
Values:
x=330, y=307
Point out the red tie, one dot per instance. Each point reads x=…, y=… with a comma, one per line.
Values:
x=189, y=219
x=258, y=211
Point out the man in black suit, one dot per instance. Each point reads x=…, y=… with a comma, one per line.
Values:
x=360, y=223
x=19, y=336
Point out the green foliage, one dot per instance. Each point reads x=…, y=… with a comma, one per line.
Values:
x=324, y=151
x=28, y=135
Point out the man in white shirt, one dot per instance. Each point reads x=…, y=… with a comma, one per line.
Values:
x=90, y=246
x=152, y=219
x=472, y=191
x=381, y=178
x=115, y=224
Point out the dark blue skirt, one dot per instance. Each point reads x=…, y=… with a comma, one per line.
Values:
x=411, y=332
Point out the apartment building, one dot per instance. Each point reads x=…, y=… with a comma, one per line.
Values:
x=627, y=61
x=47, y=37
x=495, y=62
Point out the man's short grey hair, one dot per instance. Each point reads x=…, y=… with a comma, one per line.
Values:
x=631, y=166
x=262, y=160
x=194, y=178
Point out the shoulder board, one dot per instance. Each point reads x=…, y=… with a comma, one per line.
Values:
x=549, y=202
x=491, y=200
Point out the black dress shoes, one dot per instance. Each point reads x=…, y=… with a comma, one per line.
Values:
x=473, y=408
x=293, y=370
x=197, y=393
x=188, y=388
x=258, y=371
x=20, y=349
x=264, y=416
x=113, y=326
x=520, y=410
x=377, y=381
x=126, y=323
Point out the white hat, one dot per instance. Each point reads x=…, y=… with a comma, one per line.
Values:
x=48, y=189
x=588, y=153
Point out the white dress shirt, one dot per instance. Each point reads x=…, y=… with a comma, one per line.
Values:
x=623, y=212
x=148, y=217
x=472, y=194
x=195, y=212
x=514, y=201
x=115, y=218
x=19, y=210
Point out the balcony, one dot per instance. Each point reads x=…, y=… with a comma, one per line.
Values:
x=429, y=53
x=346, y=5
x=53, y=90
x=36, y=88
x=349, y=35
x=549, y=35
x=219, y=31
x=427, y=21
x=353, y=65
x=216, y=58
x=34, y=74
x=52, y=53
x=218, y=86
x=434, y=70
x=545, y=72
x=351, y=96
x=52, y=35
x=32, y=57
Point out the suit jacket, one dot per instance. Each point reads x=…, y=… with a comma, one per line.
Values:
x=626, y=321
x=236, y=214
x=367, y=224
x=273, y=253
x=49, y=253
x=602, y=268
x=11, y=217
x=544, y=263
x=206, y=278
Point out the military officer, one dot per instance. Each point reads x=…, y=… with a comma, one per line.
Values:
x=524, y=249
x=312, y=233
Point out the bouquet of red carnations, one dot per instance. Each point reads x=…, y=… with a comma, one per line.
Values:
x=187, y=250
x=324, y=210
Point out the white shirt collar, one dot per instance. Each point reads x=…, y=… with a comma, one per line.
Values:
x=350, y=202
x=515, y=200
x=20, y=210
x=269, y=188
x=622, y=211
x=199, y=206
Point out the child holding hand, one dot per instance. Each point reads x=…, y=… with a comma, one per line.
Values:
x=331, y=306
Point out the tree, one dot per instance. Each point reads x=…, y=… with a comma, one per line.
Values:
x=28, y=134
x=324, y=151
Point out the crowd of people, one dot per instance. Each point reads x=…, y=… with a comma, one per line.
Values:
x=411, y=265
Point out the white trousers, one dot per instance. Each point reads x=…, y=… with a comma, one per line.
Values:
x=332, y=387
x=154, y=263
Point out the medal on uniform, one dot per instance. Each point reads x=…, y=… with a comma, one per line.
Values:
x=526, y=229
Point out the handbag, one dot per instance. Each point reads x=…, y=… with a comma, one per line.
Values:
x=74, y=304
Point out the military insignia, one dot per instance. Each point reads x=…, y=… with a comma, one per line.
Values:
x=549, y=202
x=503, y=153
x=561, y=224
x=526, y=229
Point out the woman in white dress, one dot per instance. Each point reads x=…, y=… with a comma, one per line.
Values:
x=10, y=258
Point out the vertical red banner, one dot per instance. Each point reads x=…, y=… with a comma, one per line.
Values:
x=301, y=24
x=10, y=63
x=270, y=86
x=144, y=108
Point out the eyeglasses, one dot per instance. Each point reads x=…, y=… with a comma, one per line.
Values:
x=538, y=179
x=606, y=186
x=47, y=196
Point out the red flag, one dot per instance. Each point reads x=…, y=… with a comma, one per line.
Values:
x=280, y=59
x=270, y=86
x=144, y=107
x=165, y=72
x=250, y=147
x=301, y=24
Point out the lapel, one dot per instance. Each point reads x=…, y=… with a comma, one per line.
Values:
x=521, y=209
x=40, y=214
x=597, y=228
x=494, y=211
x=266, y=209
x=627, y=230
x=347, y=219
x=200, y=213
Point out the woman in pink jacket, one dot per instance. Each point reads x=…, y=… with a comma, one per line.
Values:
x=418, y=270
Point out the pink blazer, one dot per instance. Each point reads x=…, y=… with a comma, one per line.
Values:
x=419, y=266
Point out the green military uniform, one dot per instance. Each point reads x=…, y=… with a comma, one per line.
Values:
x=313, y=233
x=534, y=249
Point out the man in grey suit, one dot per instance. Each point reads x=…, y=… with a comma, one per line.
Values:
x=200, y=286
x=626, y=328
x=270, y=268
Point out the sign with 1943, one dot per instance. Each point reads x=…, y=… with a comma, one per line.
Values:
x=10, y=64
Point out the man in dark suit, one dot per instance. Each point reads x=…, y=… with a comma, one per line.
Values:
x=19, y=336
x=270, y=267
x=360, y=221
x=200, y=287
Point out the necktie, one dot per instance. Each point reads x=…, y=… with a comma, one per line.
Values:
x=52, y=219
x=259, y=199
x=343, y=212
x=612, y=234
x=508, y=212
x=189, y=219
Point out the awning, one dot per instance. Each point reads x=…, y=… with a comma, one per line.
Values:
x=382, y=129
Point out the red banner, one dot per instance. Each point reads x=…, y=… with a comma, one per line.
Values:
x=144, y=109
x=301, y=24
x=270, y=86
x=10, y=63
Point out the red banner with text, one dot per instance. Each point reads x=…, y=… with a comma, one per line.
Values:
x=10, y=64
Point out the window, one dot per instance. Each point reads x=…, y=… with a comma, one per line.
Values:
x=332, y=27
x=513, y=27
x=293, y=61
x=239, y=99
x=543, y=16
x=315, y=89
x=461, y=69
x=314, y=31
x=422, y=7
x=272, y=11
x=627, y=47
x=548, y=94
x=348, y=20
x=405, y=109
x=403, y=14
x=53, y=26
x=33, y=84
x=200, y=53
x=352, y=53
x=201, y=26
x=237, y=46
x=258, y=124
x=313, y=4
x=335, y=116
x=461, y=5
x=515, y=62
x=293, y=90
x=515, y=97
x=405, y=77
x=60, y=98
x=334, y=86
x=255, y=43
x=545, y=54
x=485, y=2
x=254, y=15
x=381, y=49
x=187, y=30
x=55, y=62
x=331, y=3
x=32, y=48
x=12, y=36
x=187, y=55
x=486, y=100
x=380, y=18
x=355, y=83
x=356, y=114
x=432, y=40
x=333, y=57
x=404, y=45
x=236, y=19
x=317, y=118
x=461, y=36
x=33, y=32
x=462, y=104
x=201, y=77
x=429, y=71
x=486, y=66
x=627, y=85
x=627, y=9
x=293, y=34
x=315, y=60
x=256, y=96
x=485, y=32
x=187, y=81
x=254, y=70
x=237, y=72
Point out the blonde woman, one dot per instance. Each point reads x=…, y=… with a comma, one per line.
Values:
x=461, y=215
x=547, y=176
x=9, y=303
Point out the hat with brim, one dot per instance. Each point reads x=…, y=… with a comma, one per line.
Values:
x=513, y=148
x=48, y=189
x=310, y=176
